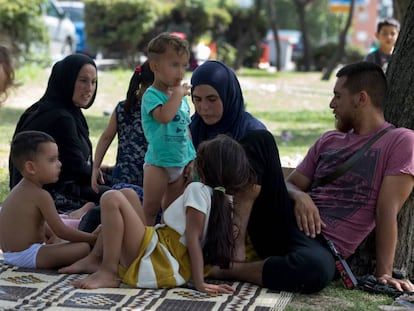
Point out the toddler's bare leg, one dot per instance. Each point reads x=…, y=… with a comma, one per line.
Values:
x=174, y=190
x=155, y=187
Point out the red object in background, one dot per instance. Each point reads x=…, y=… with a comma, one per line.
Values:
x=264, y=59
x=213, y=50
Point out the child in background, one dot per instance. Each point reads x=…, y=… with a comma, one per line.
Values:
x=165, y=118
x=125, y=122
x=197, y=229
x=29, y=211
x=387, y=34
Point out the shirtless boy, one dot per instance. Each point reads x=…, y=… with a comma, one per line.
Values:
x=29, y=209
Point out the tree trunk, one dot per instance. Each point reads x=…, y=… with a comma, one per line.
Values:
x=307, y=59
x=336, y=57
x=246, y=35
x=400, y=7
x=275, y=30
x=399, y=110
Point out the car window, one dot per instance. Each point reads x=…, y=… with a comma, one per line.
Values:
x=75, y=14
x=51, y=10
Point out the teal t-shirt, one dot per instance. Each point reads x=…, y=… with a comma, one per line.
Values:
x=168, y=144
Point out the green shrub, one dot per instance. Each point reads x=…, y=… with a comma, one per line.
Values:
x=115, y=27
x=22, y=29
x=322, y=54
x=226, y=53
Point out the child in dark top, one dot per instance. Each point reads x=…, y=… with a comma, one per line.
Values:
x=387, y=34
x=125, y=122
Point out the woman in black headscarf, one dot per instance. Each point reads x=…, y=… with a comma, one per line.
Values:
x=282, y=257
x=72, y=87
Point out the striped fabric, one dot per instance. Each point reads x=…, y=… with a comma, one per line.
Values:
x=162, y=263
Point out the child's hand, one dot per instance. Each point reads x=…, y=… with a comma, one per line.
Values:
x=53, y=239
x=215, y=288
x=95, y=234
x=181, y=90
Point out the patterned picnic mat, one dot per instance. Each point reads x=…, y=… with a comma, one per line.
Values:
x=28, y=289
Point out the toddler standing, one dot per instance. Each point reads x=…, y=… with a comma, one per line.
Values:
x=165, y=118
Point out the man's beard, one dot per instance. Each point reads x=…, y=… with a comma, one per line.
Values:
x=343, y=125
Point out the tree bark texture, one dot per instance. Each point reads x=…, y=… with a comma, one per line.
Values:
x=399, y=110
x=400, y=8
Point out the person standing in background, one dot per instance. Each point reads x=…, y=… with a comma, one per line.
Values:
x=387, y=34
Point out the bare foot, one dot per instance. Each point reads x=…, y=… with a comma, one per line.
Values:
x=100, y=279
x=88, y=264
x=77, y=214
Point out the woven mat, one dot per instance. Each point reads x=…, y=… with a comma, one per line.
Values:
x=28, y=289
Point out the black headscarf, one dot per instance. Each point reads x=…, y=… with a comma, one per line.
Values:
x=56, y=103
x=62, y=80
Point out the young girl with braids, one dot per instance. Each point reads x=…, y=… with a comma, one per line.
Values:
x=197, y=229
x=125, y=122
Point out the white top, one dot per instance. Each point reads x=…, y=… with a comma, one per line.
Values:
x=196, y=195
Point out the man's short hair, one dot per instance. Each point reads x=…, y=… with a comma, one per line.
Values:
x=25, y=146
x=365, y=76
x=388, y=22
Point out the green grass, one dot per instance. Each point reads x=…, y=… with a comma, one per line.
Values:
x=294, y=102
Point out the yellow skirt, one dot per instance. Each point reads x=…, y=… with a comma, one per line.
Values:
x=163, y=262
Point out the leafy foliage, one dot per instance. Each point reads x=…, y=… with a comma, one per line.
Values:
x=324, y=52
x=22, y=28
x=116, y=26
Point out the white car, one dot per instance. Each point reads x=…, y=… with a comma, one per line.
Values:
x=62, y=32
